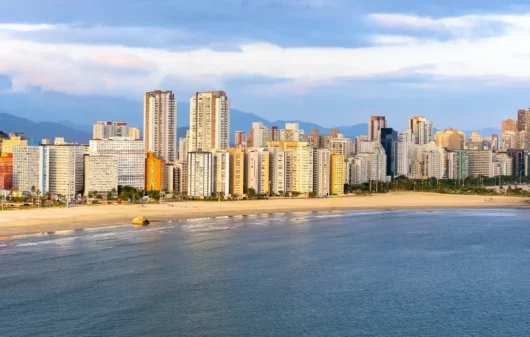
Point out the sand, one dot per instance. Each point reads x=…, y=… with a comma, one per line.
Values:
x=20, y=222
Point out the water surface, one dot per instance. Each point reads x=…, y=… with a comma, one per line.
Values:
x=394, y=273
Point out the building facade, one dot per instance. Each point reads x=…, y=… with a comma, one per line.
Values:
x=221, y=181
x=374, y=128
x=337, y=174
x=155, y=173
x=480, y=163
x=422, y=129
x=389, y=139
x=209, y=121
x=30, y=169
x=106, y=129
x=322, y=172
x=160, y=124
x=237, y=172
x=200, y=174
x=101, y=174
x=65, y=170
x=131, y=158
x=6, y=171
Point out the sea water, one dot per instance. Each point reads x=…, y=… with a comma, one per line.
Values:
x=385, y=273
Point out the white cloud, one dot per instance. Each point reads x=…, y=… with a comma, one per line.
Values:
x=23, y=27
x=114, y=68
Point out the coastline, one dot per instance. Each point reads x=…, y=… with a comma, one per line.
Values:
x=33, y=221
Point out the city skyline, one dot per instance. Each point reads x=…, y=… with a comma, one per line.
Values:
x=324, y=61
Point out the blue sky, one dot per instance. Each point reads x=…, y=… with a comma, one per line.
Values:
x=464, y=64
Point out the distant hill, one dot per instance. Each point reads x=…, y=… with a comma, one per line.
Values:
x=40, y=130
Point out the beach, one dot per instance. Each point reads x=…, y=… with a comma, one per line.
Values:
x=30, y=221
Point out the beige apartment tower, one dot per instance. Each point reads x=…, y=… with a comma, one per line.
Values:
x=209, y=121
x=160, y=124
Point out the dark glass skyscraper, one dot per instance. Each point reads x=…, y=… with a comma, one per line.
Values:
x=388, y=140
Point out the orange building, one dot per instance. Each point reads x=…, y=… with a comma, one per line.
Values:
x=6, y=171
x=155, y=173
x=509, y=125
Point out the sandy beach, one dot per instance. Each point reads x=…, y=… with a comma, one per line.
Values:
x=19, y=222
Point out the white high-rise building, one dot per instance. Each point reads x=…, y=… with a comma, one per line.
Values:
x=66, y=170
x=30, y=168
x=321, y=172
x=422, y=129
x=404, y=153
x=221, y=177
x=209, y=121
x=160, y=124
x=259, y=135
x=341, y=145
x=257, y=170
x=200, y=174
x=377, y=164
x=434, y=161
x=131, y=158
x=358, y=169
x=277, y=170
x=101, y=174
x=105, y=130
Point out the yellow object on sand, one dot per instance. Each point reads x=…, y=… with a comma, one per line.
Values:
x=140, y=221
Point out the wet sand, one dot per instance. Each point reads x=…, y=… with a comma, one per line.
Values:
x=19, y=222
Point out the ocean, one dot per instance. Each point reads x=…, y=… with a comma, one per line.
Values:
x=373, y=273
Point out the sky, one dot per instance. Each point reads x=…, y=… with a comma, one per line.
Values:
x=461, y=63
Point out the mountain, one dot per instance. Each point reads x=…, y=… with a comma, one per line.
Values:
x=40, y=130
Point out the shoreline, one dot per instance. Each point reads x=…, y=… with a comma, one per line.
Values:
x=35, y=221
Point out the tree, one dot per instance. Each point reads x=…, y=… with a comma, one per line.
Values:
x=251, y=193
x=109, y=195
x=312, y=195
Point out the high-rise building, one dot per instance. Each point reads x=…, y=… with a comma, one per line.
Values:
x=374, y=128
x=434, y=161
x=257, y=170
x=404, y=153
x=314, y=138
x=183, y=147
x=277, y=170
x=181, y=178
x=359, y=144
x=389, y=139
x=221, y=177
x=502, y=164
x=106, y=129
x=509, y=125
x=131, y=158
x=521, y=120
x=155, y=173
x=457, y=164
x=209, y=121
x=237, y=172
x=30, y=168
x=321, y=172
x=341, y=145
x=14, y=140
x=134, y=133
x=160, y=124
x=200, y=174
x=240, y=138
x=358, y=169
x=495, y=142
x=298, y=165
x=518, y=162
x=337, y=174
x=6, y=171
x=480, y=163
x=377, y=164
x=422, y=129
x=65, y=170
x=292, y=133
x=509, y=140
x=259, y=135
x=101, y=174
x=450, y=139
x=170, y=178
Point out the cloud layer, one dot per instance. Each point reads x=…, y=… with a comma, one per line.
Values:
x=490, y=48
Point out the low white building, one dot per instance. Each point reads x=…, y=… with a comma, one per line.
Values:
x=131, y=158
x=101, y=174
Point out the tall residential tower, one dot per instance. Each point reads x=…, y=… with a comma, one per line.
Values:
x=160, y=124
